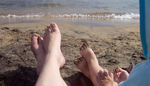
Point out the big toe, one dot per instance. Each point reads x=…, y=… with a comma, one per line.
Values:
x=54, y=27
x=77, y=62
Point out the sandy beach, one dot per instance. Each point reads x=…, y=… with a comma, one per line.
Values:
x=113, y=46
x=111, y=27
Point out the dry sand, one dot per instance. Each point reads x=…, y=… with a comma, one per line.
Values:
x=114, y=46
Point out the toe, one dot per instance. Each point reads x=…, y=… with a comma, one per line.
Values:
x=45, y=34
x=81, y=59
x=47, y=31
x=34, y=41
x=111, y=75
x=105, y=73
x=130, y=68
x=54, y=27
x=76, y=62
x=81, y=48
x=86, y=44
x=116, y=70
x=40, y=41
x=81, y=52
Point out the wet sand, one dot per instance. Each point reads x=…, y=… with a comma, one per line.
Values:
x=114, y=46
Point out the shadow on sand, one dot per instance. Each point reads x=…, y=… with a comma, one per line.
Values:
x=26, y=76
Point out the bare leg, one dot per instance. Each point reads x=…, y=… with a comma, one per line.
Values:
x=50, y=74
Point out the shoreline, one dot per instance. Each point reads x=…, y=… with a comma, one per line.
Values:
x=73, y=19
x=77, y=29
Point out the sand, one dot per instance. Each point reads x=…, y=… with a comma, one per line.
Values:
x=113, y=46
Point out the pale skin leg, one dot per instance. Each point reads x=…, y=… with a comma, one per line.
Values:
x=40, y=52
x=50, y=71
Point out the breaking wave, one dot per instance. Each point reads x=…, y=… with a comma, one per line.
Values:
x=19, y=16
x=77, y=16
x=102, y=16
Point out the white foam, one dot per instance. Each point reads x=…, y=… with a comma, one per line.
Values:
x=79, y=16
x=127, y=16
x=108, y=16
x=19, y=16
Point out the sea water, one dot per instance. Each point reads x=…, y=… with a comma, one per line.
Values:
x=76, y=10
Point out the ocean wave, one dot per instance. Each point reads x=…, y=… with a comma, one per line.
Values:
x=101, y=16
x=126, y=16
x=20, y=16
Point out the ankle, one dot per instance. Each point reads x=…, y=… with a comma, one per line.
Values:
x=52, y=62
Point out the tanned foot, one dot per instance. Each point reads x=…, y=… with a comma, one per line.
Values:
x=83, y=66
x=93, y=65
x=38, y=50
x=52, y=43
x=88, y=54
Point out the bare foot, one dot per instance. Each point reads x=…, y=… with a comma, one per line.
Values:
x=83, y=66
x=120, y=74
x=52, y=43
x=93, y=65
x=88, y=54
x=54, y=59
x=38, y=50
